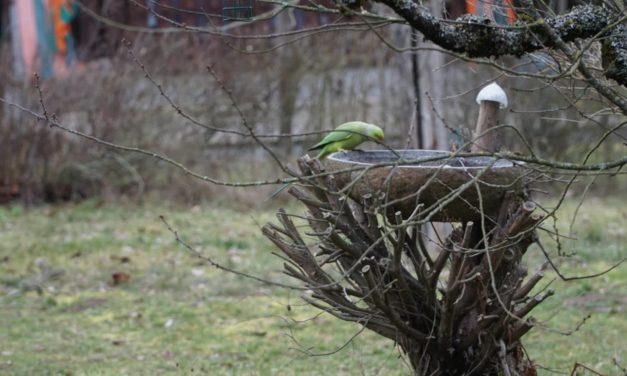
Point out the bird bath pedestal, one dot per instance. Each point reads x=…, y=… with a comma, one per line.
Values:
x=360, y=251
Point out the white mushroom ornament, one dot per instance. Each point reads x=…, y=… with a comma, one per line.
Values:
x=490, y=99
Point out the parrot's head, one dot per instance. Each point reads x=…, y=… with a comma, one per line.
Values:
x=377, y=133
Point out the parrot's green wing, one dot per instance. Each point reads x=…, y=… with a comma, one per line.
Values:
x=335, y=136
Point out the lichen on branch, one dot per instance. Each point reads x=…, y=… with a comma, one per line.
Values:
x=478, y=36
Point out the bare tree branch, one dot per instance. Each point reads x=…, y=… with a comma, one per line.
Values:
x=480, y=37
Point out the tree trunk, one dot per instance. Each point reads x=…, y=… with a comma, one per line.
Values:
x=432, y=86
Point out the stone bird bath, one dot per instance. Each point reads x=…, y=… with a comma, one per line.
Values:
x=430, y=178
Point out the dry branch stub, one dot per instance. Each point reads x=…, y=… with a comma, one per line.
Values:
x=361, y=255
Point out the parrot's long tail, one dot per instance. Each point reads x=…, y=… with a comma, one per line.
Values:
x=323, y=154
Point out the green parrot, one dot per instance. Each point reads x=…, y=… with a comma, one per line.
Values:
x=347, y=137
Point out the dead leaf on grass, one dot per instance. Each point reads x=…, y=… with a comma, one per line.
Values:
x=119, y=278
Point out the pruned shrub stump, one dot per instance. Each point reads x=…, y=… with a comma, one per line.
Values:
x=459, y=310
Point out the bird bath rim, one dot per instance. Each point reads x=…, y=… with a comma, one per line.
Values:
x=477, y=162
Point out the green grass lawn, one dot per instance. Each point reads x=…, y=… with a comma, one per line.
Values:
x=178, y=315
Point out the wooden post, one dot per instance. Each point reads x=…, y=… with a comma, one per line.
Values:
x=488, y=117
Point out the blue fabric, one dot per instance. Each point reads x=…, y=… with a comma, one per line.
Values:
x=45, y=39
x=500, y=15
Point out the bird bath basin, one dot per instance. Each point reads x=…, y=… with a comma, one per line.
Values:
x=404, y=179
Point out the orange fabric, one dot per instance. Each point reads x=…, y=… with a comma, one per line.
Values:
x=488, y=9
x=511, y=16
x=61, y=28
x=471, y=6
